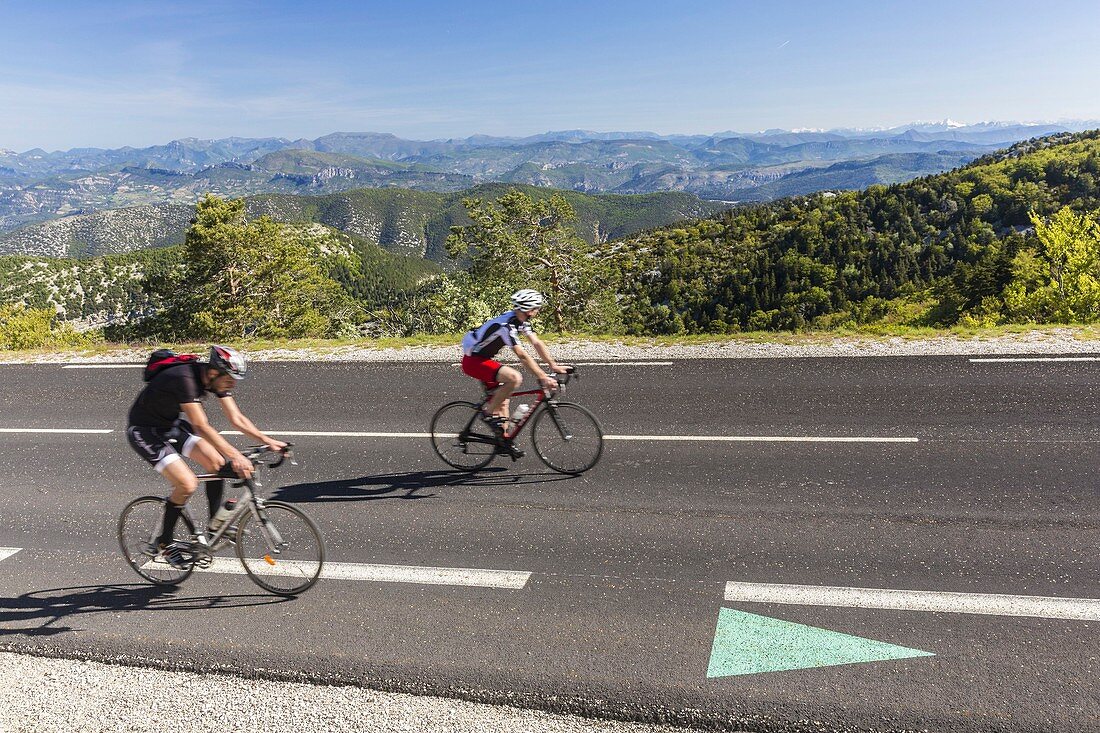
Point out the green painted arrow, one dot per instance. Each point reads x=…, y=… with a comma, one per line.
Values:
x=745, y=643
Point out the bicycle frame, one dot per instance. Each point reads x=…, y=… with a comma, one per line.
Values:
x=248, y=501
x=543, y=396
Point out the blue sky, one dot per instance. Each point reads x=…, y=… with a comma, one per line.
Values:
x=109, y=74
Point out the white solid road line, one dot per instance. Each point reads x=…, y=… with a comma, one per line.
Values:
x=6, y=552
x=471, y=577
x=55, y=430
x=1034, y=358
x=102, y=366
x=663, y=438
x=335, y=434
x=763, y=438
x=602, y=363
x=1076, y=609
x=672, y=438
x=623, y=363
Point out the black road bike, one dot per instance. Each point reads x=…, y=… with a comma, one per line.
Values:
x=565, y=436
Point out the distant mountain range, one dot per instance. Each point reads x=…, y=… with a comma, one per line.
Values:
x=38, y=186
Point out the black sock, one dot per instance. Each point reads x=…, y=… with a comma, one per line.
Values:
x=215, y=491
x=168, y=527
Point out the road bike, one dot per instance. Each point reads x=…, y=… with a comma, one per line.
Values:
x=278, y=545
x=565, y=436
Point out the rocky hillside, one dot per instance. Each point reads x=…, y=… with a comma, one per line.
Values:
x=397, y=219
x=120, y=288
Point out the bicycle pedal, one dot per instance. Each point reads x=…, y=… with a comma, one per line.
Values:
x=204, y=561
x=511, y=451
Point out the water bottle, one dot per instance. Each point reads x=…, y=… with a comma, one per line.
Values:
x=521, y=413
x=223, y=513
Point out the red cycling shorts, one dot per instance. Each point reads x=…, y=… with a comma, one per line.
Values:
x=481, y=369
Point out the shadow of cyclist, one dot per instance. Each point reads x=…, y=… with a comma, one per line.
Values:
x=411, y=485
x=39, y=613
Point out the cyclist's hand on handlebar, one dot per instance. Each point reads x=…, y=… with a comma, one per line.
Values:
x=277, y=446
x=241, y=465
x=559, y=369
x=548, y=382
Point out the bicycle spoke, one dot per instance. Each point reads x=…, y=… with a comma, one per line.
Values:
x=567, y=437
x=459, y=437
x=282, y=551
x=138, y=530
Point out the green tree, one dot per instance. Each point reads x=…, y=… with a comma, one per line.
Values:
x=516, y=242
x=36, y=328
x=1061, y=282
x=255, y=279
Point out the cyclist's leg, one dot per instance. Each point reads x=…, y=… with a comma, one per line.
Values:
x=154, y=445
x=488, y=371
x=509, y=380
x=184, y=483
x=200, y=451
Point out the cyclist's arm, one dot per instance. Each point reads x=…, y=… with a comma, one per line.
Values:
x=545, y=379
x=197, y=417
x=238, y=420
x=544, y=353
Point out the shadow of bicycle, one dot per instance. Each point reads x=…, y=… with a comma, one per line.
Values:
x=410, y=485
x=41, y=612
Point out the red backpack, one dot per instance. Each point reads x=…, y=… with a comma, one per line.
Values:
x=164, y=358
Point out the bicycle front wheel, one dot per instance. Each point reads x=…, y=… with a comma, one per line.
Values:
x=460, y=437
x=138, y=529
x=282, y=552
x=567, y=437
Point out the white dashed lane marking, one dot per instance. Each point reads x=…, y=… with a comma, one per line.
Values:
x=424, y=575
x=992, y=604
x=6, y=552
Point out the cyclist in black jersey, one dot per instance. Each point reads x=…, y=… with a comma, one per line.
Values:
x=167, y=422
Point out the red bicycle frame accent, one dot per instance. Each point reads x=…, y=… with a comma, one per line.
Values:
x=543, y=395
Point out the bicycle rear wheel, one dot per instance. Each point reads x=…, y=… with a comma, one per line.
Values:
x=138, y=529
x=283, y=552
x=567, y=437
x=460, y=438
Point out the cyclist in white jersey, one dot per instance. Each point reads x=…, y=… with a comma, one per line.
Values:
x=481, y=345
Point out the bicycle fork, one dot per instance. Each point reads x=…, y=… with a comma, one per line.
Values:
x=272, y=538
x=562, y=428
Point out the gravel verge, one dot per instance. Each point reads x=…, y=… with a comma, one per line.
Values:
x=43, y=695
x=1057, y=341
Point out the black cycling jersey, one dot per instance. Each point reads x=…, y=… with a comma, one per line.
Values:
x=158, y=405
x=493, y=335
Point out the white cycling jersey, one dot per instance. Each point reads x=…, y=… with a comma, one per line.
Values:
x=493, y=335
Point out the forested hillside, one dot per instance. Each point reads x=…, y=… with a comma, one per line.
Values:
x=841, y=257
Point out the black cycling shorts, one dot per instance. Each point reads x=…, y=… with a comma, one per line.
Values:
x=162, y=447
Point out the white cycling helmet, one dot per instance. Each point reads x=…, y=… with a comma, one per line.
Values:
x=527, y=299
x=228, y=361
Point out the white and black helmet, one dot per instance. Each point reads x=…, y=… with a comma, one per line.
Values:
x=527, y=299
x=228, y=361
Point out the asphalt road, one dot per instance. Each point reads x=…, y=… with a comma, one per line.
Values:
x=621, y=615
